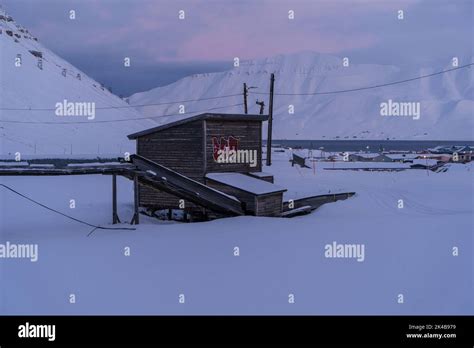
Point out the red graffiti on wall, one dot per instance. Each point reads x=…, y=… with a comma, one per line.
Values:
x=222, y=143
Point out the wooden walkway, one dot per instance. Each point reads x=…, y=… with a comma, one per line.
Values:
x=141, y=171
x=53, y=171
x=164, y=179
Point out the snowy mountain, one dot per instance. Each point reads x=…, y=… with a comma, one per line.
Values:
x=32, y=77
x=24, y=85
x=446, y=101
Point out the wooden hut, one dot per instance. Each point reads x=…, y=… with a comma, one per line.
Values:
x=210, y=143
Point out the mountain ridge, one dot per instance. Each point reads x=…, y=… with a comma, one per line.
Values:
x=26, y=85
x=447, y=101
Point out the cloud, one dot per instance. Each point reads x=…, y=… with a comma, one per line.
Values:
x=212, y=30
x=150, y=32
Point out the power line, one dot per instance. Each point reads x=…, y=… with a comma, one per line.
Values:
x=372, y=87
x=239, y=94
x=130, y=106
x=122, y=120
x=182, y=101
x=65, y=215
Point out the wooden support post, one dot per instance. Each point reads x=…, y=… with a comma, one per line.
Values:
x=205, y=215
x=185, y=216
x=115, y=218
x=270, y=122
x=136, y=218
x=245, y=99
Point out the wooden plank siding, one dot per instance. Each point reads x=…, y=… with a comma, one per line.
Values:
x=179, y=148
x=270, y=205
x=249, y=134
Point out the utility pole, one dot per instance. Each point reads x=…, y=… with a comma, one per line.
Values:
x=245, y=98
x=270, y=121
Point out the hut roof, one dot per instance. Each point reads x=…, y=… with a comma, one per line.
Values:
x=205, y=116
x=245, y=183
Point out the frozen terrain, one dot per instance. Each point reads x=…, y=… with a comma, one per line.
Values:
x=408, y=251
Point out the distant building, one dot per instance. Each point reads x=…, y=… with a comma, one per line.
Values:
x=426, y=162
x=382, y=158
x=465, y=157
x=437, y=157
x=420, y=166
x=452, y=149
x=370, y=157
x=463, y=153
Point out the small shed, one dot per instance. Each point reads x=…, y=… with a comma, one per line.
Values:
x=382, y=158
x=260, y=197
x=197, y=145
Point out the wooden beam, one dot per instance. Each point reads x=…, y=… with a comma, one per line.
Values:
x=115, y=218
x=164, y=179
x=136, y=217
x=245, y=99
x=204, y=147
x=270, y=121
x=99, y=169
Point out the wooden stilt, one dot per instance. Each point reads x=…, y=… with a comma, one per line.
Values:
x=136, y=218
x=185, y=217
x=115, y=218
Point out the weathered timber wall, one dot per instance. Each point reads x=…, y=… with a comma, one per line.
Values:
x=249, y=135
x=180, y=149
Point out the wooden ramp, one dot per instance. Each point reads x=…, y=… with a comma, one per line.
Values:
x=315, y=202
x=265, y=198
x=164, y=179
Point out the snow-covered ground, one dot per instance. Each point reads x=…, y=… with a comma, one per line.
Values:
x=408, y=250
